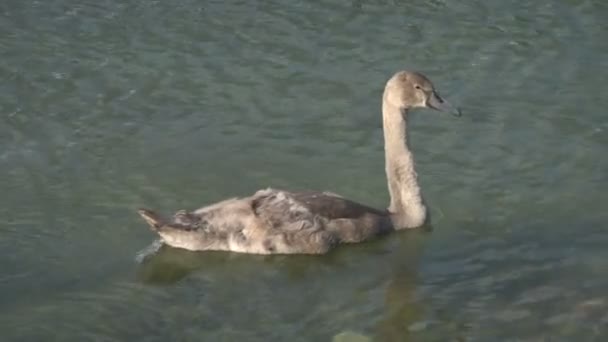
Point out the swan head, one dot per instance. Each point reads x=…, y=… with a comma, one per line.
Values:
x=410, y=89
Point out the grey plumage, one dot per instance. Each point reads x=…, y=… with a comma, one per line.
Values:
x=280, y=222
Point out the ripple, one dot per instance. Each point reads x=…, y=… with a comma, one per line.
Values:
x=108, y=106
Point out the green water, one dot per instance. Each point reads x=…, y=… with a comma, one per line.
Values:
x=110, y=105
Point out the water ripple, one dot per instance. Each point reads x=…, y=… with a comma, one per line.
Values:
x=108, y=106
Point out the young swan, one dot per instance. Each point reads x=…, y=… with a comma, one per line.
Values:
x=280, y=222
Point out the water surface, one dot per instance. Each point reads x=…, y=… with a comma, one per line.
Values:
x=110, y=105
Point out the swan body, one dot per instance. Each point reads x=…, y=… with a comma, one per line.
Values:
x=274, y=221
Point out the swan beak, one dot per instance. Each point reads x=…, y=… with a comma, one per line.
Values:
x=436, y=102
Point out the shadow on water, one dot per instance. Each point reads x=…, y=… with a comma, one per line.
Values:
x=388, y=265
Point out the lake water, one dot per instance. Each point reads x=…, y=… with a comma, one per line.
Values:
x=110, y=105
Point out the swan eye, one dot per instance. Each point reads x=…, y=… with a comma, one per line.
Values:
x=417, y=86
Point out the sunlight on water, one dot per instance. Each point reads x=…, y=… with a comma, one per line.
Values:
x=111, y=105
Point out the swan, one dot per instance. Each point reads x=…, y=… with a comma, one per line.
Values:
x=274, y=221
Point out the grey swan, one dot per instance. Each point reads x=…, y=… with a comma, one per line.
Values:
x=274, y=221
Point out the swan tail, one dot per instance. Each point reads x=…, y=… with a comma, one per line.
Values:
x=153, y=219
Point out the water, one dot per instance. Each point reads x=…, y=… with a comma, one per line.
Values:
x=110, y=105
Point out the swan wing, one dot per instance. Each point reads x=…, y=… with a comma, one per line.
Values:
x=280, y=207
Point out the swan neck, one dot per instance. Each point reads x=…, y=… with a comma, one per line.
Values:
x=406, y=207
